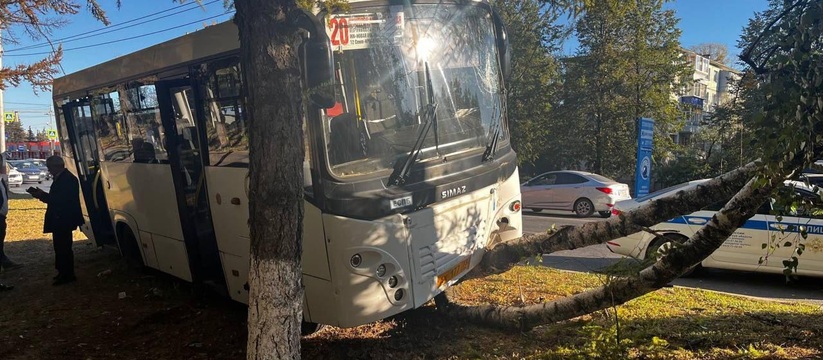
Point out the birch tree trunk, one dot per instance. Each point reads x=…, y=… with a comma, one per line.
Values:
x=740, y=208
x=268, y=46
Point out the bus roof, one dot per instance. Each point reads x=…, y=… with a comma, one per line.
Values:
x=210, y=41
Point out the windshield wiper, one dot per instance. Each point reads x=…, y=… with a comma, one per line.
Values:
x=430, y=90
x=429, y=118
x=491, y=147
x=398, y=176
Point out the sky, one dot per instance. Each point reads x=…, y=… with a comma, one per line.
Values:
x=142, y=23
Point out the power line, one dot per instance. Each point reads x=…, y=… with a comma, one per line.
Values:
x=23, y=103
x=125, y=39
x=111, y=29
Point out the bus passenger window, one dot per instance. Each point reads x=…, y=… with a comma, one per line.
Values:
x=223, y=108
x=111, y=127
x=142, y=113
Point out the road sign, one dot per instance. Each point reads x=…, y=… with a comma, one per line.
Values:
x=645, y=139
x=8, y=116
x=51, y=134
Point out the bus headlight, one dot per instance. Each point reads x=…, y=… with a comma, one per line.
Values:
x=381, y=270
x=398, y=295
x=356, y=260
x=393, y=282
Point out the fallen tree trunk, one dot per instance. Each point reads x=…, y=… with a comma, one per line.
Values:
x=503, y=256
x=740, y=208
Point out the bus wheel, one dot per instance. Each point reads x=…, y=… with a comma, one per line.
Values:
x=129, y=248
x=441, y=302
x=308, y=328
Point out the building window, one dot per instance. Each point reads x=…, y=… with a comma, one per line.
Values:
x=702, y=64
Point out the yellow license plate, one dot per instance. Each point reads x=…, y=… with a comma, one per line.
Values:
x=453, y=272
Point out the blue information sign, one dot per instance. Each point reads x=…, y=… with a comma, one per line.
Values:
x=643, y=173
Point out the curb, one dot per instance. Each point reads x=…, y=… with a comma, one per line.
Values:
x=14, y=195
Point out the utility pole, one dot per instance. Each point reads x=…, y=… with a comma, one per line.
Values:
x=51, y=127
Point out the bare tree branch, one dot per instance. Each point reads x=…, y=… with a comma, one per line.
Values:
x=741, y=207
x=503, y=256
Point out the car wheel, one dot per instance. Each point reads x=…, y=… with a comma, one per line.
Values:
x=605, y=214
x=537, y=210
x=583, y=207
x=661, y=245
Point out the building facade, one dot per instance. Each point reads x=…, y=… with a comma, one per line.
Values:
x=31, y=149
x=711, y=86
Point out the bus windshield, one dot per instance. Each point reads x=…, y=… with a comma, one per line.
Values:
x=395, y=62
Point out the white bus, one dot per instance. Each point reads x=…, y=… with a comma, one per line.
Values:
x=409, y=172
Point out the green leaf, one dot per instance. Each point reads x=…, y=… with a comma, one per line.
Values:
x=764, y=246
x=787, y=244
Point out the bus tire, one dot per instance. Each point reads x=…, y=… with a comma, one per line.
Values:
x=441, y=302
x=308, y=328
x=129, y=247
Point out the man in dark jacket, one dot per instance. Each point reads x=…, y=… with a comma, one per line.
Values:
x=63, y=216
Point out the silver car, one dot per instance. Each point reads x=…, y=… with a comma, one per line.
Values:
x=582, y=192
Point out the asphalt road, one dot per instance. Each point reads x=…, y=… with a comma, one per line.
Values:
x=21, y=190
x=593, y=258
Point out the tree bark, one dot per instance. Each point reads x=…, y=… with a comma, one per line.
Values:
x=503, y=256
x=742, y=206
x=268, y=48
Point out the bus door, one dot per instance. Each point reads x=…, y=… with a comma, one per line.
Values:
x=80, y=125
x=177, y=109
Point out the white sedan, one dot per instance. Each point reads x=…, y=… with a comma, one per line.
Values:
x=15, y=178
x=762, y=244
x=582, y=192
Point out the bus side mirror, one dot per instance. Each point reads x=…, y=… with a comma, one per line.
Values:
x=317, y=60
x=504, y=49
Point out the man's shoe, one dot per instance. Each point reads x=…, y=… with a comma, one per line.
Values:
x=4, y=287
x=64, y=280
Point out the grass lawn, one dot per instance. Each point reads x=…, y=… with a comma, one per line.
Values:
x=163, y=318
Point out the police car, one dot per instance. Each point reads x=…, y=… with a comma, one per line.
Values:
x=761, y=244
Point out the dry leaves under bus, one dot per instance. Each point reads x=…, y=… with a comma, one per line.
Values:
x=128, y=314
